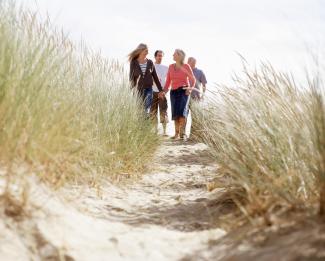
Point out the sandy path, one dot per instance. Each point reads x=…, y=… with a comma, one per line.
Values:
x=167, y=214
x=173, y=194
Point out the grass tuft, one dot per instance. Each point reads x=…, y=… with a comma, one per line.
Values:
x=65, y=111
x=267, y=135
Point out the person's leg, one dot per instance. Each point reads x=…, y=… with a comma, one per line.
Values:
x=164, y=124
x=189, y=108
x=184, y=107
x=163, y=107
x=148, y=100
x=154, y=108
x=177, y=128
x=193, y=101
x=182, y=124
x=173, y=96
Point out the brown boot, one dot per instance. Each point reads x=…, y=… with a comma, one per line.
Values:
x=176, y=128
x=182, y=125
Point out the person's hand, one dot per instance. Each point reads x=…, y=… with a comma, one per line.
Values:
x=188, y=91
x=161, y=95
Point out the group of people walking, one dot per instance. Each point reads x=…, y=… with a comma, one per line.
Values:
x=154, y=80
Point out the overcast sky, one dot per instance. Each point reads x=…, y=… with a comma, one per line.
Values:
x=213, y=31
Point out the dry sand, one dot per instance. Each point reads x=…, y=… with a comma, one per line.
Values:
x=165, y=215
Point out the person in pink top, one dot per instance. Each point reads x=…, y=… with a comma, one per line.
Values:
x=179, y=78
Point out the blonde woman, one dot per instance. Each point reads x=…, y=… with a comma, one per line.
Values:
x=179, y=77
x=143, y=74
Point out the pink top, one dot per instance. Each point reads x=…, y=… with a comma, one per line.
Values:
x=179, y=77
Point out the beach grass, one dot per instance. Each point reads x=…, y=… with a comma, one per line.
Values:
x=267, y=134
x=66, y=112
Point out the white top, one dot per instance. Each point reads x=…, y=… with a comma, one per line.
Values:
x=162, y=74
x=143, y=67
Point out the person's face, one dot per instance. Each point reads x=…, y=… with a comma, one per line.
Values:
x=144, y=53
x=159, y=57
x=176, y=57
x=192, y=63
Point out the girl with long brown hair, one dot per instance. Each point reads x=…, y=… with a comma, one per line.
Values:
x=143, y=74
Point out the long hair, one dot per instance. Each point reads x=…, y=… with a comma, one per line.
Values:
x=136, y=52
x=181, y=54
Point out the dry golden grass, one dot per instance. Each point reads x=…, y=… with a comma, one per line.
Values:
x=65, y=111
x=267, y=134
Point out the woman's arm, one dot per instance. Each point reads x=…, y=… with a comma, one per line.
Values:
x=168, y=81
x=190, y=75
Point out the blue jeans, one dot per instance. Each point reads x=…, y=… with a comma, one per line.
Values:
x=147, y=99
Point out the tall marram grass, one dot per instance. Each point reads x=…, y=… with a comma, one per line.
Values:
x=65, y=111
x=268, y=136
